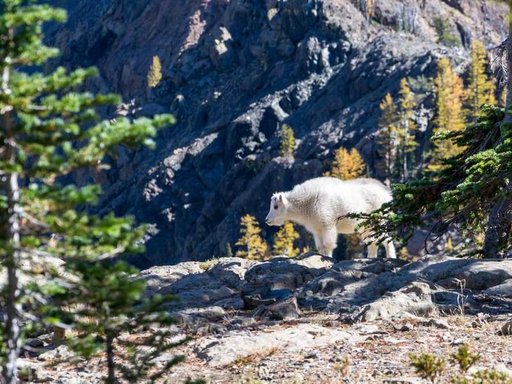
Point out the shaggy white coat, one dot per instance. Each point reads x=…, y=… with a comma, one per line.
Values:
x=321, y=204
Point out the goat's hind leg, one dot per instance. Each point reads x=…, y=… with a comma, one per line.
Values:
x=390, y=249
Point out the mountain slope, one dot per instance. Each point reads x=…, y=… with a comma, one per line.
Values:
x=233, y=72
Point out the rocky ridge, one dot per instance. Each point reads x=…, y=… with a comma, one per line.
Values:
x=233, y=72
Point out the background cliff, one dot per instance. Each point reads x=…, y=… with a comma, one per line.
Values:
x=233, y=73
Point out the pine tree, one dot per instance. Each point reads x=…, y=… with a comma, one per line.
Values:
x=481, y=88
x=449, y=92
x=253, y=247
x=347, y=165
x=387, y=139
x=49, y=130
x=407, y=127
x=288, y=142
x=284, y=241
x=155, y=72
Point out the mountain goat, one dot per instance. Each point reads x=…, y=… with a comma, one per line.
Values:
x=321, y=204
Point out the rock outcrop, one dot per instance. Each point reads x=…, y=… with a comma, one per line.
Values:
x=233, y=72
x=356, y=290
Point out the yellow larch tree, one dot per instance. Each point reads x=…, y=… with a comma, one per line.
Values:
x=252, y=246
x=387, y=140
x=347, y=164
x=155, y=72
x=481, y=88
x=287, y=141
x=284, y=241
x=406, y=132
x=449, y=93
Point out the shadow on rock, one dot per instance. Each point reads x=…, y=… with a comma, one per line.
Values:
x=229, y=289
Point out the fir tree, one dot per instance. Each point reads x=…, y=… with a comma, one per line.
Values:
x=253, y=247
x=464, y=191
x=155, y=72
x=481, y=88
x=449, y=92
x=387, y=139
x=347, y=165
x=43, y=118
x=284, y=241
x=287, y=142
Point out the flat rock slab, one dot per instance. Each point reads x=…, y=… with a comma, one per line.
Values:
x=224, y=351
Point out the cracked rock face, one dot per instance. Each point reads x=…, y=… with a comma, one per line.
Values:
x=357, y=290
x=233, y=72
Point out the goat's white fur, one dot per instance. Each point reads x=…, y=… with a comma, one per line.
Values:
x=321, y=204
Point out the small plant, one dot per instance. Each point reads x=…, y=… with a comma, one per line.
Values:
x=428, y=366
x=446, y=37
x=464, y=358
x=431, y=368
x=461, y=298
x=490, y=376
x=207, y=264
x=255, y=357
x=343, y=366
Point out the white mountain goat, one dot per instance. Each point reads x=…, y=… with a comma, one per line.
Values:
x=321, y=204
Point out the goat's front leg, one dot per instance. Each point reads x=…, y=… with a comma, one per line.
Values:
x=328, y=238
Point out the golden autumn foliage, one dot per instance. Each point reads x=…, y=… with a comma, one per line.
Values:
x=253, y=247
x=481, y=88
x=155, y=72
x=387, y=135
x=449, y=92
x=284, y=241
x=396, y=137
x=407, y=127
x=347, y=164
x=288, y=142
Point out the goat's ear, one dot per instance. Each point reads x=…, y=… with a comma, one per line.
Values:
x=280, y=197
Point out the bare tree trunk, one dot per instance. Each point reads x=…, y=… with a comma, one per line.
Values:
x=11, y=236
x=500, y=218
x=111, y=379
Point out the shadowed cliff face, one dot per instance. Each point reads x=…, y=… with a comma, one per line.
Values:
x=233, y=72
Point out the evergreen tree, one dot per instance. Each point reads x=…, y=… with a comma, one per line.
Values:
x=387, y=139
x=288, y=142
x=155, y=72
x=253, y=247
x=481, y=88
x=449, y=92
x=284, y=241
x=347, y=165
x=407, y=127
x=49, y=130
x=465, y=190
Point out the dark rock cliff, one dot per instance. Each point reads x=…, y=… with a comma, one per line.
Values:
x=233, y=72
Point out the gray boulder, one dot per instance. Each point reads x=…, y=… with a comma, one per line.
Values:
x=413, y=299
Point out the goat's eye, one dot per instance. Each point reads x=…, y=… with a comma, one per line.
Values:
x=275, y=206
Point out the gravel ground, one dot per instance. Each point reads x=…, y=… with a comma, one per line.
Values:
x=372, y=352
